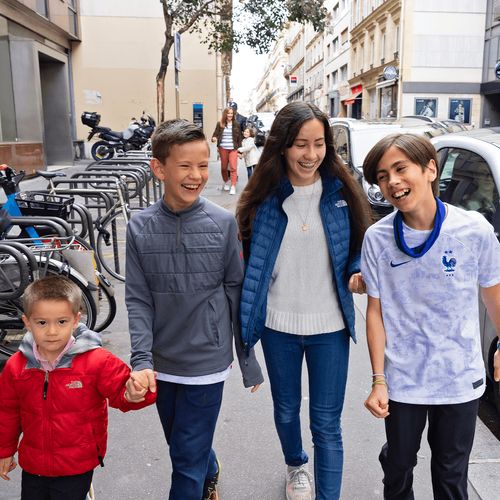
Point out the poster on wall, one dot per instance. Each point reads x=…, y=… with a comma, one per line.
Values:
x=460, y=110
x=426, y=107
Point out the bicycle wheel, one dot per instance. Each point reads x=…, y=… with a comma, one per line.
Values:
x=107, y=304
x=88, y=308
x=14, y=272
x=111, y=245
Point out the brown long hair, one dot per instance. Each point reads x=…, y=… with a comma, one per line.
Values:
x=223, y=120
x=272, y=167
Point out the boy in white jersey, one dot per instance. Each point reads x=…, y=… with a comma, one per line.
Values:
x=422, y=266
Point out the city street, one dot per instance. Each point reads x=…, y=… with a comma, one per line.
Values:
x=137, y=465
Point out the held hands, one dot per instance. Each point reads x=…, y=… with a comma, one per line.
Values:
x=6, y=465
x=138, y=385
x=214, y=139
x=377, y=402
x=357, y=284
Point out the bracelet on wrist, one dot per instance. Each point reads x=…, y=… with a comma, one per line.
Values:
x=379, y=382
x=378, y=375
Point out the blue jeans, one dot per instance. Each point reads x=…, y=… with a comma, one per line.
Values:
x=327, y=357
x=188, y=414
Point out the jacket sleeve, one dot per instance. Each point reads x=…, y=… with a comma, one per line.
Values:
x=216, y=132
x=233, y=277
x=113, y=374
x=354, y=264
x=245, y=149
x=10, y=414
x=140, y=307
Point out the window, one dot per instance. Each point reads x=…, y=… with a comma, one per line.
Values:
x=344, y=36
x=335, y=77
x=341, y=142
x=328, y=82
x=343, y=72
x=336, y=11
x=336, y=45
x=328, y=51
x=382, y=48
x=372, y=52
x=466, y=181
x=73, y=18
x=42, y=8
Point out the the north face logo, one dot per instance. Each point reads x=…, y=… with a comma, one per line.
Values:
x=74, y=384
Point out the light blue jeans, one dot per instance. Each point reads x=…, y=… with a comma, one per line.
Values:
x=327, y=357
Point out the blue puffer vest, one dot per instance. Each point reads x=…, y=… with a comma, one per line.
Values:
x=267, y=233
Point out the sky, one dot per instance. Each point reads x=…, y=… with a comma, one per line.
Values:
x=247, y=70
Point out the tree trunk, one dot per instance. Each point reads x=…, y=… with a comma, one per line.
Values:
x=160, y=77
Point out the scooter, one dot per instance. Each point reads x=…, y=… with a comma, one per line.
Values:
x=135, y=136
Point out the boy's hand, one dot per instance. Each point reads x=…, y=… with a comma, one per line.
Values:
x=255, y=388
x=496, y=365
x=6, y=465
x=134, y=393
x=377, y=402
x=214, y=139
x=142, y=379
x=357, y=284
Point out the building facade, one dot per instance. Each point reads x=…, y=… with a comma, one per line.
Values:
x=36, y=111
x=116, y=65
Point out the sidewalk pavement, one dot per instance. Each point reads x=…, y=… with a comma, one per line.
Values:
x=137, y=466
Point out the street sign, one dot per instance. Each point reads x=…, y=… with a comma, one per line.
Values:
x=177, y=50
x=293, y=81
x=390, y=72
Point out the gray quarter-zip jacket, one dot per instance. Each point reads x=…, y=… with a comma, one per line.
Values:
x=183, y=282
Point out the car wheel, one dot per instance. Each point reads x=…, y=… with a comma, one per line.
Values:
x=495, y=385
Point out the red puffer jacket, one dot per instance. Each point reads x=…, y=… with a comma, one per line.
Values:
x=62, y=414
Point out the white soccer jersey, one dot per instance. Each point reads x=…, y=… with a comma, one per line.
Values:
x=430, y=306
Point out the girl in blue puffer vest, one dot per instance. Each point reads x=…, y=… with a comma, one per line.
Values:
x=302, y=217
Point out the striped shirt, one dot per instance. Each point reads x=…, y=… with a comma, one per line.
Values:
x=226, y=141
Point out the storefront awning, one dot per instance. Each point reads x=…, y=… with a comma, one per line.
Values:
x=386, y=83
x=352, y=98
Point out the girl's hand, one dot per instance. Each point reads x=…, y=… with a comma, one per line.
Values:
x=214, y=139
x=357, y=284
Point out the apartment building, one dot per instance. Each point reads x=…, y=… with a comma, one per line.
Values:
x=271, y=91
x=336, y=58
x=490, y=86
x=294, y=70
x=36, y=112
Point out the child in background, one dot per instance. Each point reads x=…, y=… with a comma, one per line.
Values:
x=423, y=266
x=54, y=391
x=249, y=150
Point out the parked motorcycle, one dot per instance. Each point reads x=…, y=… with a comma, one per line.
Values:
x=135, y=136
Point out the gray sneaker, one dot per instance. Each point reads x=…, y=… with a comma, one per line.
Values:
x=298, y=483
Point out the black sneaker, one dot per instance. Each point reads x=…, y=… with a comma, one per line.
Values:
x=210, y=486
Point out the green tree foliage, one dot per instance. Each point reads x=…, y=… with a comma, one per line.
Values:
x=225, y=25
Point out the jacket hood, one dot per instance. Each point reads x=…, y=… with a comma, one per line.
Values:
x=85, y=340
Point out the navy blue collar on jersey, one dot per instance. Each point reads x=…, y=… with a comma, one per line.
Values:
x=422, y=249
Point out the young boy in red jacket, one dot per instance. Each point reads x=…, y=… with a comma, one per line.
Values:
x=55, y=391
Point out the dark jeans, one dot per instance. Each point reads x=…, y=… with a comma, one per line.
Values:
x=75, y=487
x=250, y=170
x=327, y=357
x=188, y=414
x=450, y=436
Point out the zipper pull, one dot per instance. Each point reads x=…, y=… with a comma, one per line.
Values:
x=46, y=385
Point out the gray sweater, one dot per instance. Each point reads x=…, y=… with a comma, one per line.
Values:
x=183, y=281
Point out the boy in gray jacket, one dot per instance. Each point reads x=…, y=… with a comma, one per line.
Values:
x=183, y=279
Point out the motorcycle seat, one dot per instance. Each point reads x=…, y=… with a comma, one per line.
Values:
x=102, y=129
x=115, y=133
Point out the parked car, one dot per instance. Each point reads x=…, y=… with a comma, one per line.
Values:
x=261, y=124
x=354, y=138
x=469, y=177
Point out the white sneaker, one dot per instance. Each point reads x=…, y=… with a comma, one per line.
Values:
x=232, y=190
x=225, y=186
x=298, y=483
